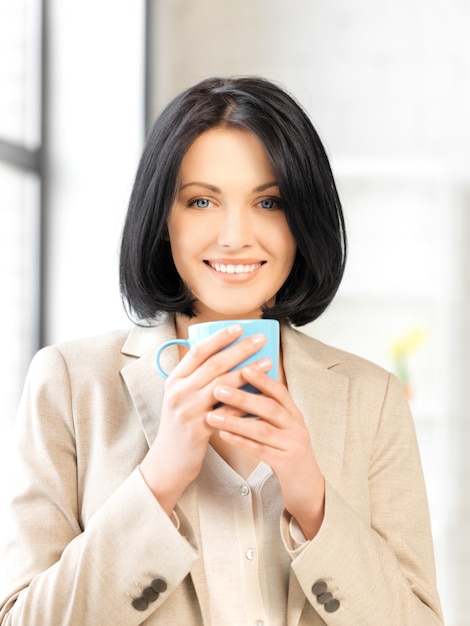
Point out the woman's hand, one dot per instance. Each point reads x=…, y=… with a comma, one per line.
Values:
x=177, y=454
x=278, y=437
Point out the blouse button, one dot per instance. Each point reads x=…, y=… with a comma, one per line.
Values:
x=259, y=622
x=250, y=554
x=244, y=490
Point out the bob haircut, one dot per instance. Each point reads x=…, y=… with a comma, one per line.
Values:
x=149, y=281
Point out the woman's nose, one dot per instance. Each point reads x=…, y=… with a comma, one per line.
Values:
x=235, y=228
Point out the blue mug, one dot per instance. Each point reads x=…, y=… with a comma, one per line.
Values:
x=197, y=332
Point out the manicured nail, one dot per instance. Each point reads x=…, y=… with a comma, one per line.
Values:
x=257, y=339
x=214, y=417
x=249, y=372
x=222, y=392
x=265, y=364
x=232, y=330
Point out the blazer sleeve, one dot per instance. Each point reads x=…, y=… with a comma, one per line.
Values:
x=379, y=571
x=53, y=572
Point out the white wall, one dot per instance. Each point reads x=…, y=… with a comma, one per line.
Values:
x=95, y=129
x=387, y=79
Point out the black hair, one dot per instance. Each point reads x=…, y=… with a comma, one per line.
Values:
x=150, y=283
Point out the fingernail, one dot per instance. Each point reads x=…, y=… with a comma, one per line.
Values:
x=265, y=364
x=214, y=417
x=257, y=339
x=222, y=392
x=249, y=372
x=232, y=330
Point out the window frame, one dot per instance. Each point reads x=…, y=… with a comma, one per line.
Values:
x=31, y=160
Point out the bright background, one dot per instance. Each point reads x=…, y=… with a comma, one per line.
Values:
x=388, y=88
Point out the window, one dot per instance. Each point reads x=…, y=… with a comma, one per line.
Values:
x=20, y=193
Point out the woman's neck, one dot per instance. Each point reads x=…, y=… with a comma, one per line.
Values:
x=182, y=322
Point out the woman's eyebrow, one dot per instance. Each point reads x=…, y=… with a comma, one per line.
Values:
x=200, y=184
x=266, y=186
x=217, y=190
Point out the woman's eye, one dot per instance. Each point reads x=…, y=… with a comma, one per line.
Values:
x=270, y=203
x=201, y=203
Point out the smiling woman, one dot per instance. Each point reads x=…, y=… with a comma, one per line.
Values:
x=159, y=502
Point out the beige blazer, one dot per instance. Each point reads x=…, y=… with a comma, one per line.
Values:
x=88, y=536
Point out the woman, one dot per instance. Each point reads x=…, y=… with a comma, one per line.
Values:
x=145, y=502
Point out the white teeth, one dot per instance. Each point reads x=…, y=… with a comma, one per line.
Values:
x=234, y=269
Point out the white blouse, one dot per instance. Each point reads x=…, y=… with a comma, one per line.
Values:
x=247, y=563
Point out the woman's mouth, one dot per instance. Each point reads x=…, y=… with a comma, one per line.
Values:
x=234, y=268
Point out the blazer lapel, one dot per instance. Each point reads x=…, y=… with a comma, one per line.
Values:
x=145, y=385
x=320, y=394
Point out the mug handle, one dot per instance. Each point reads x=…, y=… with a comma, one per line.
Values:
x=166, y=344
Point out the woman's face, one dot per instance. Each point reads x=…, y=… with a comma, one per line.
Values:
x=228, y=233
